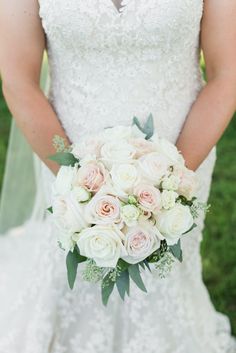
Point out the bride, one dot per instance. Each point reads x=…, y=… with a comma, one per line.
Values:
x=110, y=60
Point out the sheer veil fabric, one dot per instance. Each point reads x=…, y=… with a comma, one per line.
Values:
x=22, y=194
x=105, y=67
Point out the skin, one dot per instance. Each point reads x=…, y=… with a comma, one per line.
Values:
x=216, y=103
x=22, y=42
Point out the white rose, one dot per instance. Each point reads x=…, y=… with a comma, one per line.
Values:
x=130, y=214
x=64, y=180
x=103, y=244
x=90, y=146
x=103, y=209
x=117, y=133
x=140, y=242
x=174, y=222
x=68, y=214
x=81, y=194
x=171, y=182
x=154, y=166
x=171, y=152
x=168, y=199
x=117, y=152
x=124, y=177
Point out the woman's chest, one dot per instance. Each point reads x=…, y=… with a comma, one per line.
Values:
x=98, y=23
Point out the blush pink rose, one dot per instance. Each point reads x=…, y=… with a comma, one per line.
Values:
x=188, y=182
x=91, y=176
x=103, y=209
x=140, y=242
x=149, y=197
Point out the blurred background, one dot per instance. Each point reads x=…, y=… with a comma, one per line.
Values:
x=219, y=243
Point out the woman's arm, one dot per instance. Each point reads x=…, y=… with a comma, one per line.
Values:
x=216, y=103
x=22, y=43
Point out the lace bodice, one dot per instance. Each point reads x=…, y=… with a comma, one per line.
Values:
x=107, y=66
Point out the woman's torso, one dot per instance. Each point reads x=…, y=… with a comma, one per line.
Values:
x=108, y=66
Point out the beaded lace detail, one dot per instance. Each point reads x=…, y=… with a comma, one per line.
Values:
x=107, y=66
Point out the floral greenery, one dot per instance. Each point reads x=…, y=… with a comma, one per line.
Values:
x=219, y=243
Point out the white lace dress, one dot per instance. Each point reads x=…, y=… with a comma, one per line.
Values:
x=107, y=66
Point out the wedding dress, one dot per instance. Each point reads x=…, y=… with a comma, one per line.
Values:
x=108, y=64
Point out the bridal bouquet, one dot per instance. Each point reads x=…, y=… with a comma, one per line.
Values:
x=122, y=200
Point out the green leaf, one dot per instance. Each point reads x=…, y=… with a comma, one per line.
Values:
x=49, y=209
x=193, y=226
x=148, y=128
x=136, y=277
x=142, y=265
x=122, y=284
x=176, y=251
x=123, y=265
x=147, y=265
x=64, y=158
x=137, y=123
x=72, y=261
x=107, y=288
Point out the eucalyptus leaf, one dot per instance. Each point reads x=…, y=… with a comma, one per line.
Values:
x=64, y=158
x=176, y=251
x=72, y=260
x=147, y=265
x=49, y=209
x=136, y=277
x=193, y=226
x=123, y=283
x=148, y=128
x=107, y=288
x=123, y=265
x=142, y=265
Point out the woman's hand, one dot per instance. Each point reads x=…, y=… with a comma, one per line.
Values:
x=216, y=103
x=22, y=43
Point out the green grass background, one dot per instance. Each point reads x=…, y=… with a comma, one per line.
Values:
x=219, y=243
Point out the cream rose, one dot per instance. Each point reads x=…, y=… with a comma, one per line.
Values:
x=89, y=146
x=154, y=166
x=140, y=242
x=117, y=152
x=103, y=209
x=124, y=177
x=148, y=197
x=117, y=133
x=168, y=199
x=103, y=244
x=64, y=180
x=174, y=222
x=130, y=215
x=142, y=146
x=169, y=150
x=91, y=176
x=68, y=216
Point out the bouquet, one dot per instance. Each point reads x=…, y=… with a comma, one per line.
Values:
x=122, y=200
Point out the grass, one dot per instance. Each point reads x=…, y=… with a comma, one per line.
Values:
x=219, y=243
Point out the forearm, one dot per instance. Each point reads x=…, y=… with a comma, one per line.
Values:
x=207, y=120
x=36, y=119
